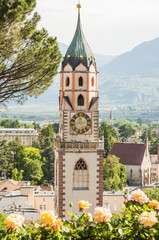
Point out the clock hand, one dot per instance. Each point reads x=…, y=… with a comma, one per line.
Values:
x=80, y=120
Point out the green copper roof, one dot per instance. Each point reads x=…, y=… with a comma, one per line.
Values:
x=79, y=50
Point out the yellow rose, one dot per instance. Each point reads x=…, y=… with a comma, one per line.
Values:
x=154, y=204
x=84, y=204
x=14, y=221
x=102, y=215
x=57, y=224
x=148, y=219
x=139, y=196
x=47, y=218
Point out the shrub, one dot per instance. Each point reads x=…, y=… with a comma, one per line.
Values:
x=139, y=220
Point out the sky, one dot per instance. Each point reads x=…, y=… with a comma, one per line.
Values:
x=111, y=27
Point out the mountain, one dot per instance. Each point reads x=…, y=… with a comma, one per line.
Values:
x=131, y=78
x=143, y=60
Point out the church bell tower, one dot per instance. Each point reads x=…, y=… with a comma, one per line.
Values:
x=78, y=150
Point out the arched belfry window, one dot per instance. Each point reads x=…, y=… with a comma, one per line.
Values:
x=80, y=82
x=92, y=82
x=80, y=176
x=80, y=100
x=67, y=81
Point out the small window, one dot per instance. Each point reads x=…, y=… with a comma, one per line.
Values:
x=67, y=81
x=41, y=207
x=43, y=199
x=44, y=207
x=80, y=100
x=80, y=82
x=92, y=81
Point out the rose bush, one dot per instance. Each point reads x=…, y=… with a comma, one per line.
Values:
x=139, y=219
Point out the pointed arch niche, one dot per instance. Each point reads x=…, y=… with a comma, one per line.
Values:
x=80, y=175
x=80, y=82
x=67, y=82
x=80, y=100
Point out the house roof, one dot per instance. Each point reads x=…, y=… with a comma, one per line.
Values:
x=10, y=185
x=129, y=153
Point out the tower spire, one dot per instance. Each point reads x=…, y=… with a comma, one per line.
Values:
x=79, y=50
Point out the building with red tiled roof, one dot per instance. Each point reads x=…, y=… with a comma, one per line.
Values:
x=135, y=157
x=10, y=185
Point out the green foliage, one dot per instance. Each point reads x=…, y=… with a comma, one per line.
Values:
x=126, y=130
x=29, y=160
x=152, y=193
x=55, y=127
x=109, y=139
x=17, y=175
x=8, y=123
x=2, y=219
x=29, y=57
x=45, y=143
x=125, y=226
x=6, y=158
x=114, y=174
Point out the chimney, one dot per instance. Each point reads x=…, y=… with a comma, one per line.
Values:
x=28, y=191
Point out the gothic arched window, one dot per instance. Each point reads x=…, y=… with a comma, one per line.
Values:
x=80, y=100
x=67, y=81
x=80, y=176
x=80, y=82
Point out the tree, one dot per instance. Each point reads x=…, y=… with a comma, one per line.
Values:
x=126, y=130
x=32, y=169
x=114, y=174
x=29, y=57
x=30, y=161
x=45, y=143
x=8, y=123
x=17, y=175
x=6, y=158
x=152, y=193
x=56, y=127
x=109, y=140
x=140, y=121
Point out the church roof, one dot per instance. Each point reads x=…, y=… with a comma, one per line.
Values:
x=79, y=50
x=129, y=153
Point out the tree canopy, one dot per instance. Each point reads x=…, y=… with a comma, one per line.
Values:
x=114, y=174
x=29, y=58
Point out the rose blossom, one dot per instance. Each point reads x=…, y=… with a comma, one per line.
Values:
x=84, y=204
x=14, y=221
x=148, y=219
x=102, y=215
x=139, y=196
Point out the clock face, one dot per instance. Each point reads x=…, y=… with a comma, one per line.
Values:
x=80, y=123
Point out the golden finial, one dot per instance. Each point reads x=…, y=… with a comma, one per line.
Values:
x=78, y=5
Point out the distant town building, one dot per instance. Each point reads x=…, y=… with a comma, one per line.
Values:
x=26, y=135
x=113, y=200
x=155, y=166
x=21, y=197
x=136, y=159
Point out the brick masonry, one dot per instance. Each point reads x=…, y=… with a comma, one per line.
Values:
x=61, y=187
x=99, y=193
